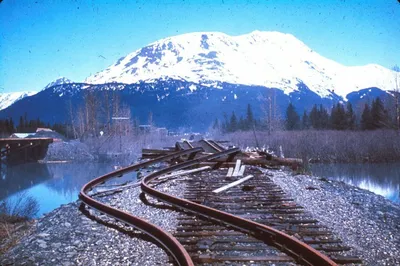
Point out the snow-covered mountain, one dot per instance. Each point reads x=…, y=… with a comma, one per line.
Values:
x=268, y=59
x=59, y=81
x=8, y=98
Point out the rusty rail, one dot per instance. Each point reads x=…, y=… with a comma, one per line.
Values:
x=216, y=145
x=169, y=242
x=298, y=250
x=212, y=145
x=302, y=252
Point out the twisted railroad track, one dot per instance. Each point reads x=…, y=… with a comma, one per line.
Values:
x=222, y=217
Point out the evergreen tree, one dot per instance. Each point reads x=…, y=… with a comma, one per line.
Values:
x=233, y=123
x=11, y=129
x=249, y=118
x=350, y=117
x=21, y=125
x=366, y=119
x=323, y=118
x=305, y=121
x=379, y=115
x=292, y=118
x=338, y=117
x=4, y=126
x=314, y=117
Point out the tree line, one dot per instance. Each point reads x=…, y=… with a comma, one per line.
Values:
x=341, y=117
x=233, y=123
x=25, y=125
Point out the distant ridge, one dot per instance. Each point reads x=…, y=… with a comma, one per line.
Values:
x=8, y=98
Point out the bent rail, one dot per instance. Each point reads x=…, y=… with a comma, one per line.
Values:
x=165, y=239
x=216, y=145
x=290, y=245
x=210, y=145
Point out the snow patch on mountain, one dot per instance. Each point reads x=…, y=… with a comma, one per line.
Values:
x=8, y=98
x=59, y=81
x=270, y=59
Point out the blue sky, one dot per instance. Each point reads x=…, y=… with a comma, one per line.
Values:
x=42, y=40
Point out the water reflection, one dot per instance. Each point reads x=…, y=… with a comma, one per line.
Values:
x=52, y=184
x=382, y=179
x=21, y=177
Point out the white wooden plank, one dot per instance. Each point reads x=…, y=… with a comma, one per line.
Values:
x=237, y=182
x=241, y=172
x=184, y=172
x=230, y=171
x=237, y=168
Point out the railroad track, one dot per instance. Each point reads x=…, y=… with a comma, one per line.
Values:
x=221, y=218
x=259, y=200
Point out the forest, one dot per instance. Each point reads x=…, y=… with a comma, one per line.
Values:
x=340, y=117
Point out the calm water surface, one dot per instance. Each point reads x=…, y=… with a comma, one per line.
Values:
x=52, y=184
x=55, y=184
x=382, y=179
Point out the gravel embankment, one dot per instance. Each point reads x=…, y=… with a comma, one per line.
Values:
x=367, y=222
x=364, y=221
x=73, y=150
x=67, y=237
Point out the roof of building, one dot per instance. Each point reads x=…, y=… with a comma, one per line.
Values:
x=43, y=129
x=21, y=135
x=50, y=134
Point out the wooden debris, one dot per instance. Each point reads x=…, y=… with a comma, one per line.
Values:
x=230, y=172
x=237, y=182
x=179, y=173
x=237, y=168
x=260, y=158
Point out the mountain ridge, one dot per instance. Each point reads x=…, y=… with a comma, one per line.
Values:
x=9, y=98
x=58, y=81
x=269, y=59
x=173, y=103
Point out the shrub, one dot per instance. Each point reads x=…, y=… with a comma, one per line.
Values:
x=22, y=207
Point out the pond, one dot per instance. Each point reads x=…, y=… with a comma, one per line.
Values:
x=382, y=179
x=52, y=185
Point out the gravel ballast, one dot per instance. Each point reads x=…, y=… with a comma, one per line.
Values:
x=367, y=222
x=66, y=236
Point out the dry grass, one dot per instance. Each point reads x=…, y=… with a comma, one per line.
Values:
x=132, y=144
x=12, y=233
x=14, y=219
x=327, y=146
